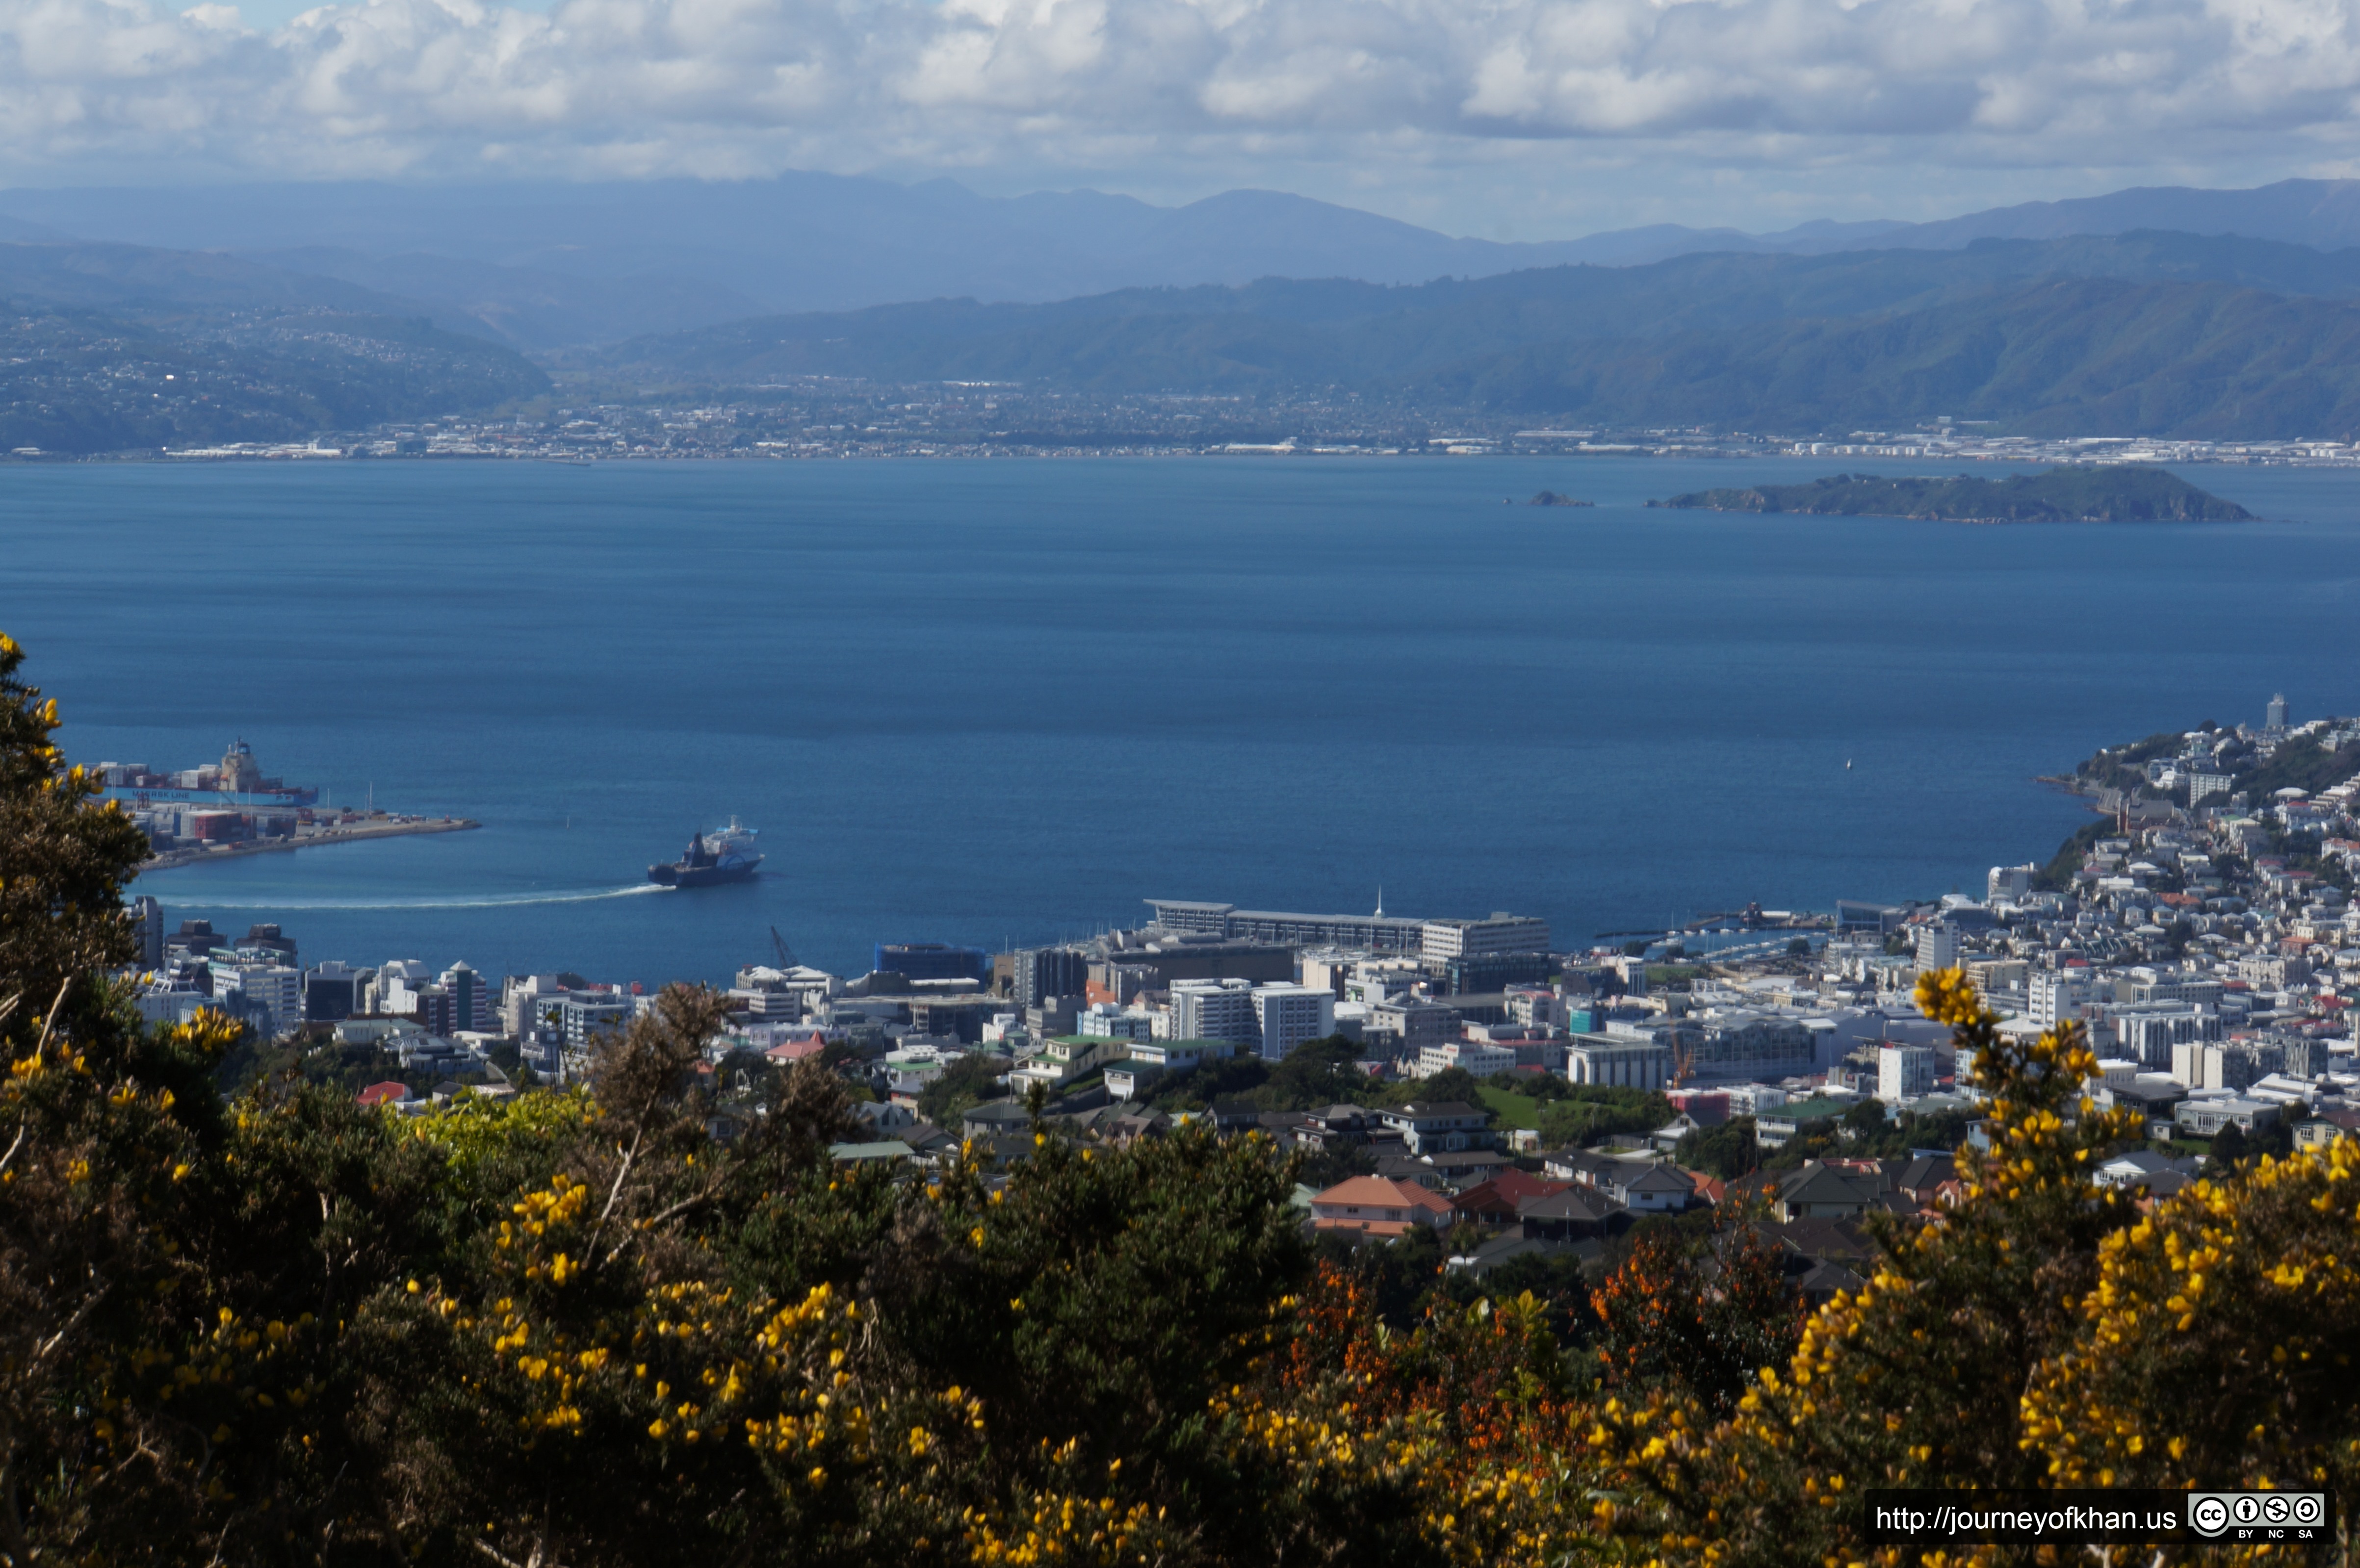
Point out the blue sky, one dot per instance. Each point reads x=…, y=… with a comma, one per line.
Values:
x=1522, y=119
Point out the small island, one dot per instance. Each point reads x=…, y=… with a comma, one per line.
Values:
x=2129, y=494
x=1551, y=499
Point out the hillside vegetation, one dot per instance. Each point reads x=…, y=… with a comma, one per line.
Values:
x=82, y=381
x=2140, y=334
x=2112, y=495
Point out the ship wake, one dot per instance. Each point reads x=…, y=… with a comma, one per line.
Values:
x=486, y=901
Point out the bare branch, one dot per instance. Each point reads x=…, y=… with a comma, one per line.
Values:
x=615, y=1192
x=15, y=1146
x=89, y=1305
x=51, y=1022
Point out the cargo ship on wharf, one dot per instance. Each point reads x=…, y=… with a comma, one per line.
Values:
x=230, y=807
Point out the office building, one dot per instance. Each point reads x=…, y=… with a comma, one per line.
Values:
x=1287, y=1015
x=1485, y=973
x=1439, y=941
x=1361, y=933
x=148, y=931
x=1216, y=1009
x=1618, y=1061
x=1938, y=947
x=469, y=1007
x=332, y=992
x=1037, y=974
x=933, y=961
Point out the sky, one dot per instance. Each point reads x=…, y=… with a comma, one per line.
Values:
x=1506, y=119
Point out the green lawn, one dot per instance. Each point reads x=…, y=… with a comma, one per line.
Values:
x=1515, y=1110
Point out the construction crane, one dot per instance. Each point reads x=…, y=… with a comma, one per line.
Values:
x=786, y=954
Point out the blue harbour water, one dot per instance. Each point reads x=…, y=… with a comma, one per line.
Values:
x=1005, y=701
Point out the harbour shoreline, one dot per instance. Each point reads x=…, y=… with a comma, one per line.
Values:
x=392, y=827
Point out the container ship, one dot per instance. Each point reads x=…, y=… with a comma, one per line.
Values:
x=727, y=854
x=235, y=781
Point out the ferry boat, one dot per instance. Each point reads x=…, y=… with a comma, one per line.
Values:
x=727, y=854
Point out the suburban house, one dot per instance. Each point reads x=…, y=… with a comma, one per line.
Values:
x=1495, y=1202
x=1571, y=1214
x=1817, y=1192
x=1371, y=1205
x=1654, y=1189
x=1430, y=1128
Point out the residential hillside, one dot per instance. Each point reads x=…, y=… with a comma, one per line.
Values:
x=80, y=382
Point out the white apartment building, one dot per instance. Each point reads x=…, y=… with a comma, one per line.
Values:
x=2009, y=884
x=1618, y=1061
x=1286, y=1016
x=1215, y=1009
x=2147, y=1032
x=1503, y=933
x=1904, y=1073
x=1938, y=947
x=2060, y=996
x=1481, y=1060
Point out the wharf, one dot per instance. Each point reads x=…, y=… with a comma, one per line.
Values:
x=383, y=825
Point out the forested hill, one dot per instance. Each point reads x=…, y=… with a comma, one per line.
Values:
x=2144, y=334
x=79, y=382
x=2129, y=494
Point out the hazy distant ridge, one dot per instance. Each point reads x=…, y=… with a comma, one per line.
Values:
x=544, y=264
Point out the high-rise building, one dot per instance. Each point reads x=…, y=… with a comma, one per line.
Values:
x=1037, y=973
x=470, y=1009
x=2060, y=996
x=1938, y=947
x=1904, y=1073
x=332, y=992
x=2274, y=715
x=1287, y=1015
x=435, y=1009
x=268, y=996
x=148, y=931
x=1216, y=1009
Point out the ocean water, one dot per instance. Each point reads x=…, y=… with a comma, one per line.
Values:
x=1004, y=701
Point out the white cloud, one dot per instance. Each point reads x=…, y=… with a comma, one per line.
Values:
x=743, y=86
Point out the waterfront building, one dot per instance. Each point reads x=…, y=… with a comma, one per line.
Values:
x=1363, y=933
x=1439, y=941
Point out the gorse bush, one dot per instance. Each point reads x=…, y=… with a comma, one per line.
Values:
x=587, y=1328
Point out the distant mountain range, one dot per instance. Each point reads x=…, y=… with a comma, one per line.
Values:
x=2159, y=311
x=2143, y=333
x=543, y=265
